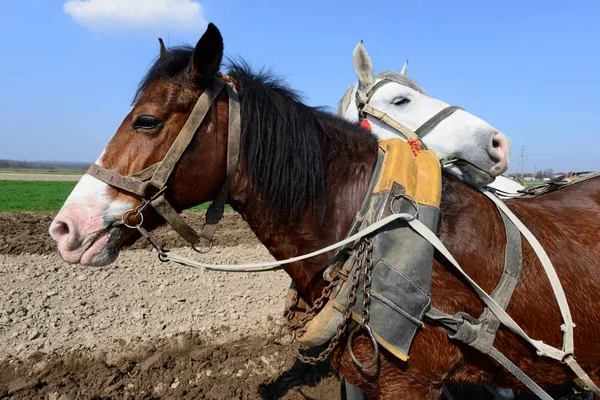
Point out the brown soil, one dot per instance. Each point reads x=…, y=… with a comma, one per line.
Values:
x=142, y=329
x=27, y=233
x=182, y=367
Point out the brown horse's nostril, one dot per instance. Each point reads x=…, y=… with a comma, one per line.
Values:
x=63, y=233
x=61, y=229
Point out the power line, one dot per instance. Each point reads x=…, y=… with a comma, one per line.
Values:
x=522, y=161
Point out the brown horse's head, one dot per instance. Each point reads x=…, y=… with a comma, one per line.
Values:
x=86, y=229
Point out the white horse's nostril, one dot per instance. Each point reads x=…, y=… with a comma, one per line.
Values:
x=499, y=147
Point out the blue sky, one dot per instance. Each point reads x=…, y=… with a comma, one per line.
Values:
x=67, y=75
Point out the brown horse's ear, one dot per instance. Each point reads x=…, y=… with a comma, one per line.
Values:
x=207, y=55
x=163, y=49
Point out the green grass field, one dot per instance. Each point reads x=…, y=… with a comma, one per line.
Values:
x=38, y=196
x=43, y=196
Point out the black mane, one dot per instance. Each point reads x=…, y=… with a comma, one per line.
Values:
x=282, y=139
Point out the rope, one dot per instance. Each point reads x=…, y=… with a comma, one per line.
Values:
x=275, y=265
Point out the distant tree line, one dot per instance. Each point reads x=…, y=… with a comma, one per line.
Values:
x=547, y=173
x=50, y=165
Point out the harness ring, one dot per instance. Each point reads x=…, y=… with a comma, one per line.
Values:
x=204, y=251
x=138, y=213
x=373, y=343
x=409, y=198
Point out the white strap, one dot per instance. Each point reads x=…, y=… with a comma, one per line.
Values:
x=541, y=347
x=582, y=375
x=274, y=265
x=559, y=293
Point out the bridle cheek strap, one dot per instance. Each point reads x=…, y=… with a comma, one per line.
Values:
x=364, y=108
x=432, y=122
x=150, y=183
x=217, y=208
x=389, y=121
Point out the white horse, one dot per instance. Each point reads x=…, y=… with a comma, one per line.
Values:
x=467, y=146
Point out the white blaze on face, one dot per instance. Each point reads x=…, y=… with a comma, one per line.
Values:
x=81, y=226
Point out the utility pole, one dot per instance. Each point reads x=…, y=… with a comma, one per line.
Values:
x=522, y=161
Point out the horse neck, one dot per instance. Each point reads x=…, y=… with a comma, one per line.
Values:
x=349, y=165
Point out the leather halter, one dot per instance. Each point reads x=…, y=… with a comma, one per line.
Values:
x=362, y=103
x=151, y=183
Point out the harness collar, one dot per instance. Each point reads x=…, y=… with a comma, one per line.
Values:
x=150, y=184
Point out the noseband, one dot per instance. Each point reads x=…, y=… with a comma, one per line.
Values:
x=150, y=184
x=364, y=108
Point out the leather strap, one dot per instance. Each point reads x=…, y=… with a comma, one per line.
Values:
x=391, y=122
x=432, y=122
x=542, y=348
x=187, y=133
x=559, y=293
x=519, y=374
x=362, y=103
x=150, y=182
x=217, y=208
x=135, y=184
x=172, y=217
x=513, y=263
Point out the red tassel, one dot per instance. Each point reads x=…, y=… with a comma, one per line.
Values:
x=365, y=124
x=415, y=145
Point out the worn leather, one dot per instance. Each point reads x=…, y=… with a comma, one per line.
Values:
x=151, y=182
x=402, y=260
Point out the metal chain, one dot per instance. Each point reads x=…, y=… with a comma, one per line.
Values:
x=347, y=314
x=364, y=323
x=368, y=271
x=310, y=312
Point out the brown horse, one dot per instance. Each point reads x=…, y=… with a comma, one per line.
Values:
x=301, y=178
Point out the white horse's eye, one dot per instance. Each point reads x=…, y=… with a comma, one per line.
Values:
x=398, y=101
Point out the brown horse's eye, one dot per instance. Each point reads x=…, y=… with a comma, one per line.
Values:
x=146, y=122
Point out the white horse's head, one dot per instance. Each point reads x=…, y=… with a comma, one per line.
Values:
x=466, y=145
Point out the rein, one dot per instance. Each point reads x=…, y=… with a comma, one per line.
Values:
x=364, y=108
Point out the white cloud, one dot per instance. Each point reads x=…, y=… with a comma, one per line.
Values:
x=137, y=17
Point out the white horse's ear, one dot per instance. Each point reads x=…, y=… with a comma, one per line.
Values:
x=363, y=66
x=405, y=68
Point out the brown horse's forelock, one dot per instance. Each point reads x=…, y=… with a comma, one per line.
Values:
x=168, y=65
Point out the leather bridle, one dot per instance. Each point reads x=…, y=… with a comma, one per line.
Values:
x=150, y=184
x=364, y=109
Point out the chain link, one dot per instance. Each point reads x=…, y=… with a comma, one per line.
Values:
x=363, y=251
x=368, y=271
